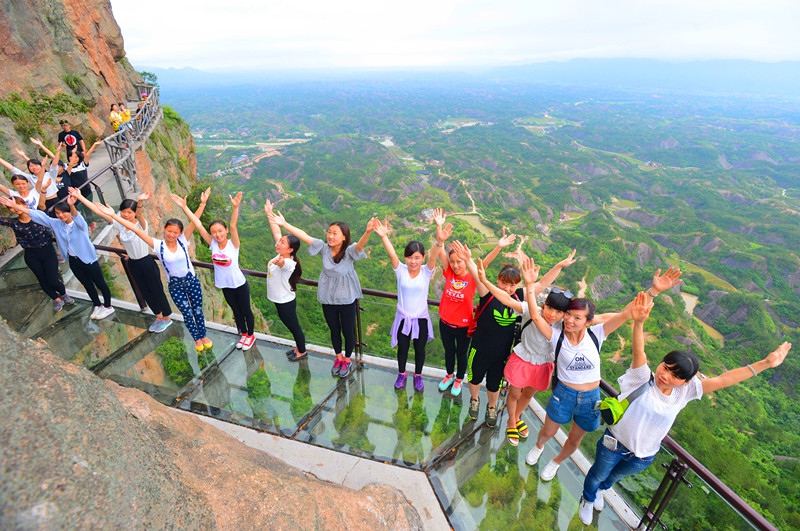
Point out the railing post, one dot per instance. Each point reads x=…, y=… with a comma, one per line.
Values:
x=136, y=291
x=359, y=335
x=676, y=471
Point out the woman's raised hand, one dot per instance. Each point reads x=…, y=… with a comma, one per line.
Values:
x=105, y=209
x=236, y=199
x=640, y=307
x=670, y=279
x=777, y=356
x=461, y=251
x=568, y=261
x=506, y=239
x=205, y=195
x=75, y=192
x=443, y=232
x=35, y=141
x=382, y=229
x=268, y=207
x=144, y=196
x=180, y=201
x=530, y=271
x=439, y=216
x=276, y=217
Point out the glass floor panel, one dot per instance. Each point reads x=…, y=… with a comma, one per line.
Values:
x=87, y=342
x=367, y=417
x=263, y=389
x=486, y=484
x=162, y=364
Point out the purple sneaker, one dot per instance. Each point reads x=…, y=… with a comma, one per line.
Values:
x=400, y=383
x=419, y=385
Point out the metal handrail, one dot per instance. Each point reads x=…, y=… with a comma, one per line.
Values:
x=687, y=459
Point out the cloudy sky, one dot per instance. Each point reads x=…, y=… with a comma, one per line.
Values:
x=299, y=34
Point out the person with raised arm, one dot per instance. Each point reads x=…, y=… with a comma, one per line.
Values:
x=23, y=190
x=654, y=401
x=142, y=264
x=412, y=322
x=228, y=275
x=494, y=326
x=283, y=273
x=41, y=180
x=339, y=287
x=576, y=344
x=72, y=236
x=173, y=250
x=530, y=366
x=36, y=241
x=70, y=138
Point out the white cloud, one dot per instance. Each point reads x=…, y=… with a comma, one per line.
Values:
x=241, y=34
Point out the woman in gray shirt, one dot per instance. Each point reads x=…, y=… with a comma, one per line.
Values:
x=338, y=283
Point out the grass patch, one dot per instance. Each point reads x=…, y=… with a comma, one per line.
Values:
x=30, y=114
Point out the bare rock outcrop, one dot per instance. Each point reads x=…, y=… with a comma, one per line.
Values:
x=80, y=452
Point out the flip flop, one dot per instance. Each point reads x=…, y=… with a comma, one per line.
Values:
x=512, y=434
x=298, y=357
x=521, y=426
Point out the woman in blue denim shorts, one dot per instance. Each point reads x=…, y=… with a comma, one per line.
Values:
x=577, y=345
x=630, y=445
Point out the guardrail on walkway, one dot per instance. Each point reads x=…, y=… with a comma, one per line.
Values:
x=122, y=145
x=682, y=462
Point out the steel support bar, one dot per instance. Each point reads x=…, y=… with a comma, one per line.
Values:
x=676, y=472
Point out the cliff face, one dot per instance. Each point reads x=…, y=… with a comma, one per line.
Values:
x=65, y=46
x=66, y=59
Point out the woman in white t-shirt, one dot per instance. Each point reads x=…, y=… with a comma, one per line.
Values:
x=141, y=263
x=577, y=346
x=228, y=275
x=23, y=190
x=412, y=322
x=173, y=251
x=283, y=272
x=629, y=446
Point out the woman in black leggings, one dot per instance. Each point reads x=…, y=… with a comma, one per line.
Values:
x=40, y=256
x=283, y=272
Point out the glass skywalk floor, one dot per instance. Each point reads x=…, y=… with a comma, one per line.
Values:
x=481, y=481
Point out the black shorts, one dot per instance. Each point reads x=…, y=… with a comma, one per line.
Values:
x=486, y=362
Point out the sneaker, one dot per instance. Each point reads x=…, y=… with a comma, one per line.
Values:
x=599, y=502
x=95, y=309
x=336, y=366
x=159, y=325
x=345, y=368
x=549, y=470
x=68, y=300
x=240, y=343
x=456, y=389
x=58, y=305
x=474, y=406
x=249, y=341
x=446, y=382
x=104, y=311
x=419, y=385
x=400, y=383
x=491, y=416
x=533, y=456
x=586, y=511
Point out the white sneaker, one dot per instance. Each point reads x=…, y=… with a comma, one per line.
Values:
x=94, y=312
x=585, y=511
x=533, y=456
x=599, y=502
x=548, y=471
x=104, y=312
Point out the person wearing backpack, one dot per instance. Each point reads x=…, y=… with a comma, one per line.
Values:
x=494, y=326
x=576, y=388
x=655, y=399
x=530, y=366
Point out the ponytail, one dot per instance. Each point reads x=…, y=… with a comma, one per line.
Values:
x=294, y=244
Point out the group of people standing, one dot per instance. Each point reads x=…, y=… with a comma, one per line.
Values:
x=507, y=336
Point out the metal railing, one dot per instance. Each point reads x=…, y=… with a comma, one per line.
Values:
x=122, y=145
x=682, y=462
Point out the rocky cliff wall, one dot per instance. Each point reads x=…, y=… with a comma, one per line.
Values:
x=79, y=452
